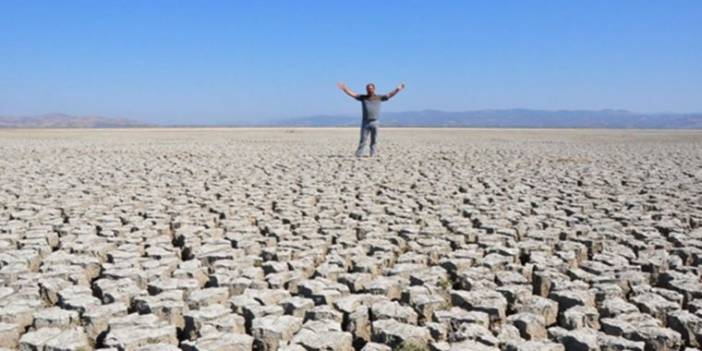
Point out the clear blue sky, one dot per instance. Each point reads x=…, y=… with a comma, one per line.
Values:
x=229, y=61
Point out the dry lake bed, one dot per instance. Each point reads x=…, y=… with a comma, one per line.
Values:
x=280, y=239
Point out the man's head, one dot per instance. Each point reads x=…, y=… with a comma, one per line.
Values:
x=370, y=89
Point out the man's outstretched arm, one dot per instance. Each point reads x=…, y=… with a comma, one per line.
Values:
x=399, y=88
x=346, y=90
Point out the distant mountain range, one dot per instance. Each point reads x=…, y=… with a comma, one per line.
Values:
x=60, y=120
x=514, y=118
x=506, y=118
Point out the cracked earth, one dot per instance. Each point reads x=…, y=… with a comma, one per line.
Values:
x=280, y=239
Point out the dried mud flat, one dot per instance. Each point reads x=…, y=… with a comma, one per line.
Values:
x=279, y=239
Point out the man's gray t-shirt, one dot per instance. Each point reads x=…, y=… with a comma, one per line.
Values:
x=371, y=106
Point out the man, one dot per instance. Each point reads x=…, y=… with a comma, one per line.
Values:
x=371, y=112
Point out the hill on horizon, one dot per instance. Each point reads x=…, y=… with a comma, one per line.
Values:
x=497, y=118
x=61, y=120
x=515, y=118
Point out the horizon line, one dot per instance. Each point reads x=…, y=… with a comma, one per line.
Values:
x=349, y=114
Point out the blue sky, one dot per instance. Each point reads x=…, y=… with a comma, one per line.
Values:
x=229, y=61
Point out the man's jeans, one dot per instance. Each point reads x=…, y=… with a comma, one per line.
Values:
x=368, y=127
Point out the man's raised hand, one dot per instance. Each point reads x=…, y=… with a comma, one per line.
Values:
x=396, y=90
x=346, y=90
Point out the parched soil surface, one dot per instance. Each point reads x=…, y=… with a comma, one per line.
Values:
x=281, y=239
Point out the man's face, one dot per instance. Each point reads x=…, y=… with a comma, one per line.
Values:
x=370, y=89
